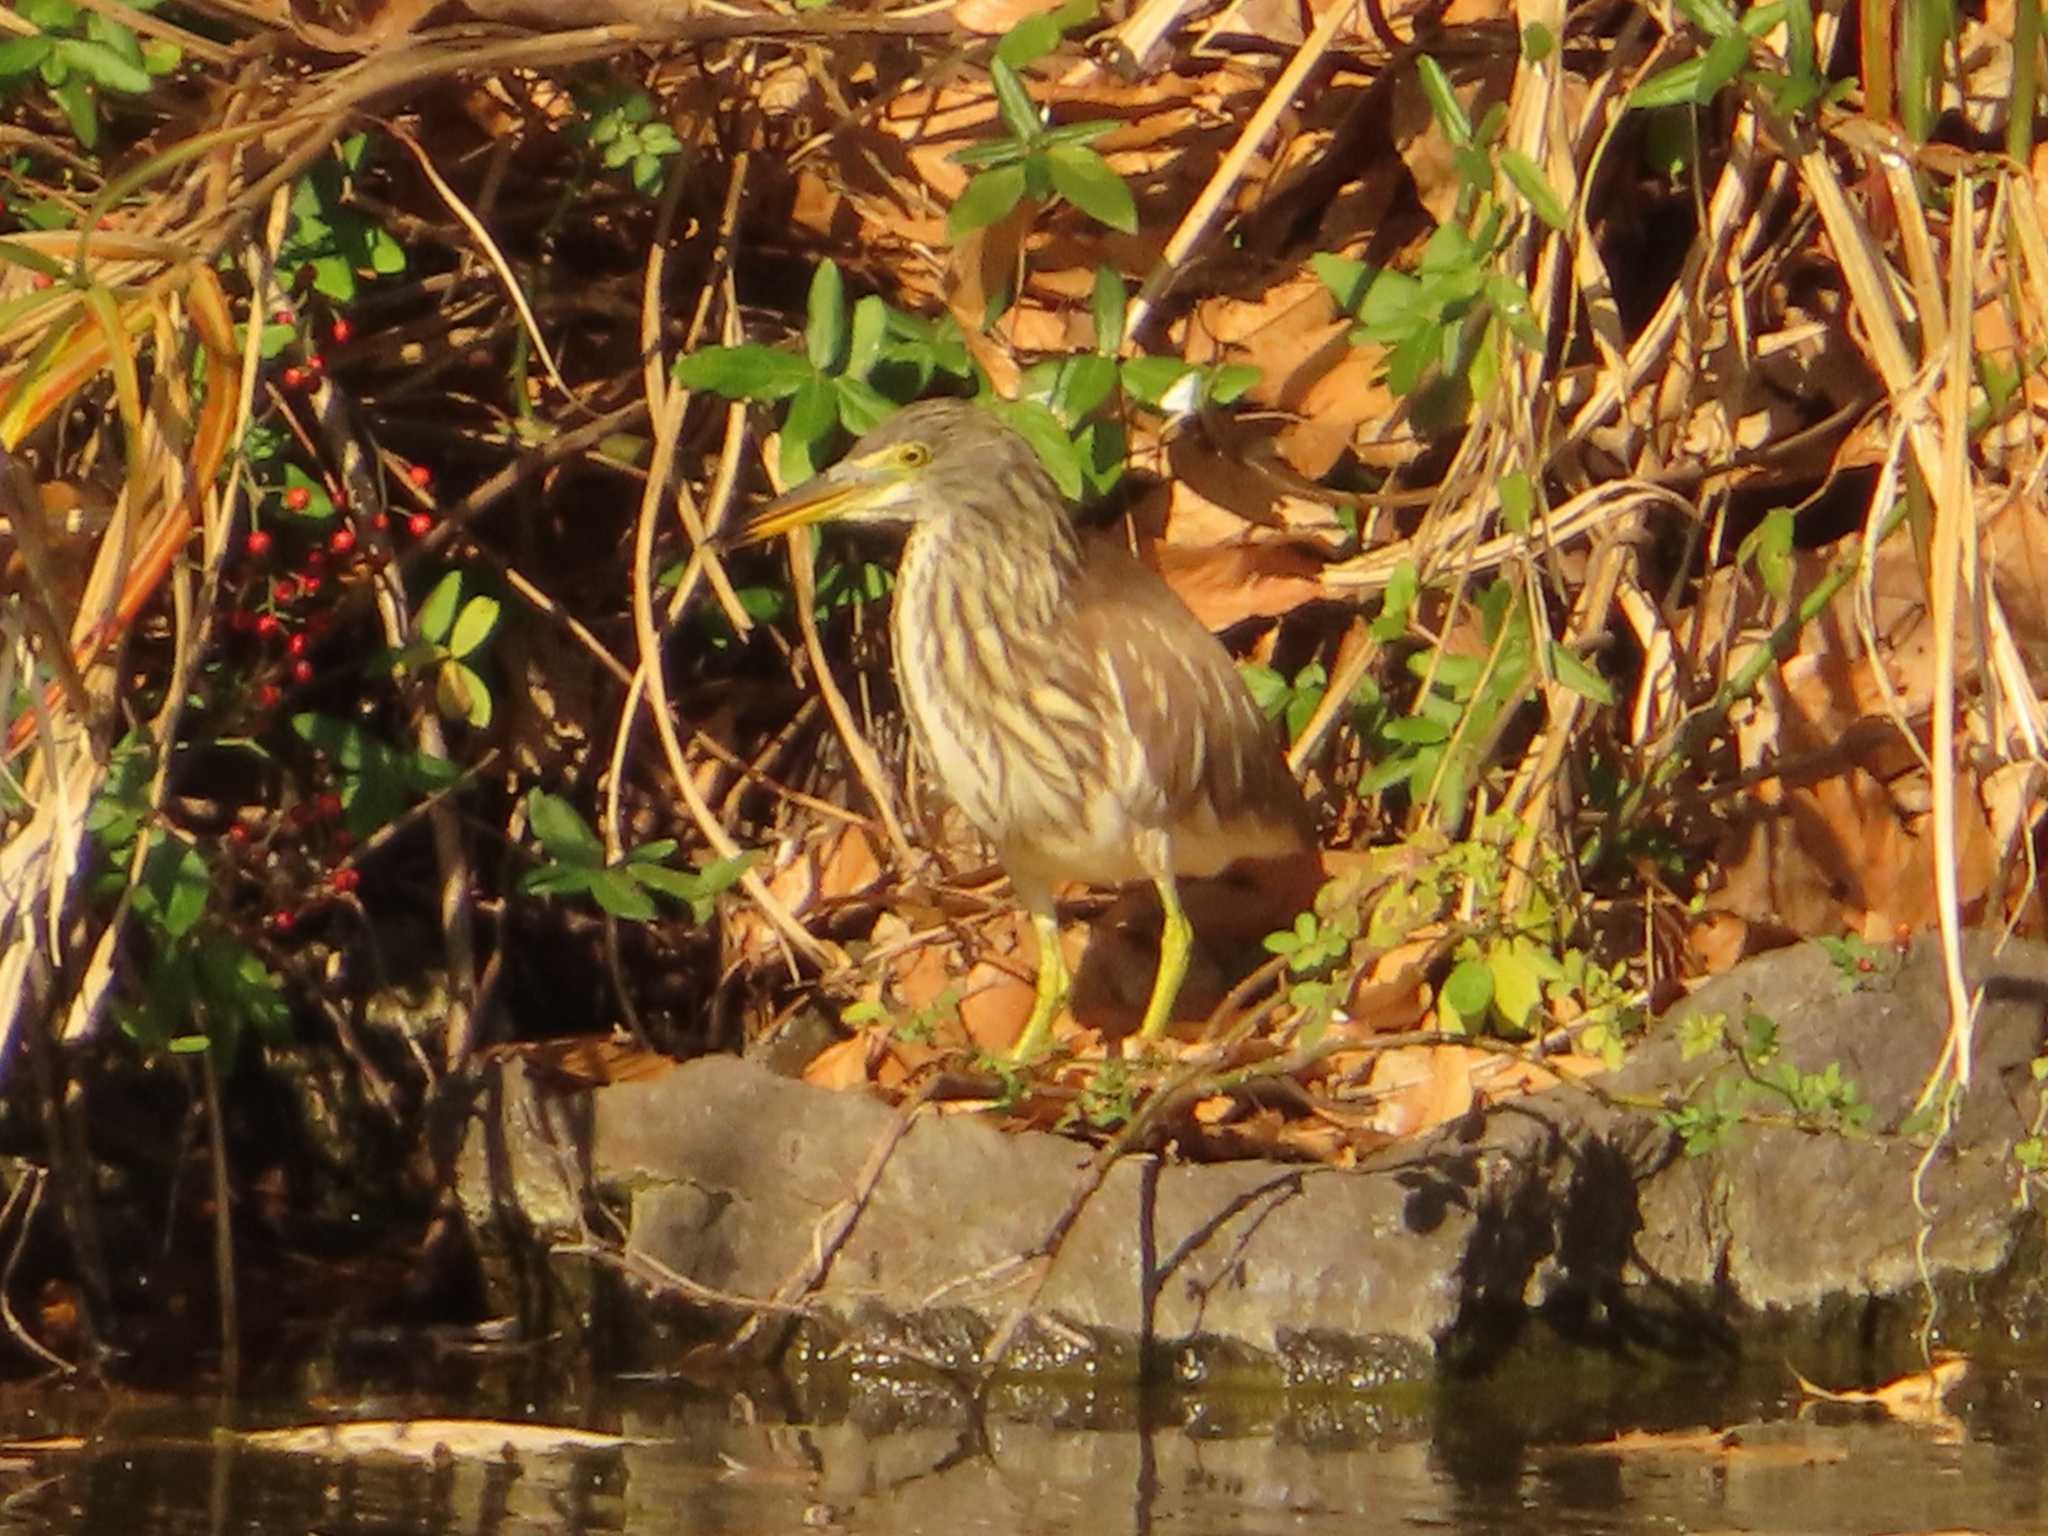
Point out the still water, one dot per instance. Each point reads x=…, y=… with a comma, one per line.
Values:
x=746, y=1460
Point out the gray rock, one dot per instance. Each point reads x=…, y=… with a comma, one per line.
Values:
x=1572, y=1209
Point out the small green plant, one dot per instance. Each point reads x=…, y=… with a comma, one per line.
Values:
x=199, y=987
x=1109, y=1099
x=450, y=632
x=331, y=240
x=626, y=887
x=1036, y=160
x=1444, y=324
x=1318, y=943
x=75, y=53
x=858, y=365
x=1293, y=701
x=1859, y=964
x=619, y=126
x=1787, y=87
x=1436, y=751
x=919, y=1027
x=1755, y=1077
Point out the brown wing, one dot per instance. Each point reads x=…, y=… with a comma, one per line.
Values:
x=1211, y=772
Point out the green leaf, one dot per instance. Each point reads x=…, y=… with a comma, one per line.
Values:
x=1412, y=358
x=74, y=94
x=1529, y=180
x=1517, y=500
x=478, y=618
x=621, y=895
x=1722, y=63
x=1416, y=731
x=461, y=694
x=1673, y=87
x=104, y=66
x=1103, y=449
x=1517, y=988
x=1228, y=384
x=1083, y=382
x=175, y=886
x=1084, y=179
x=987, y=198
x=748, y=372
x=1270, y=692
x=21, y=55
x=437, y=614
x=1029, y=40
x=1149, y=378
x=870, y=330
x=1076, y=133
x=861, y=406
x=1510, y=301
x=1108, y=305
x=825, y=318
x=1469, y=989
x=1346, y=279
x=812, y=416
x=1443, y=102
x=1019, y=114
x=980, y=157
x=1576, y=675
x=1769, y=548
x=563, y=834
x=1712, y=17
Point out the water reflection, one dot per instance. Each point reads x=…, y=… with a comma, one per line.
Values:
x=732, y=1462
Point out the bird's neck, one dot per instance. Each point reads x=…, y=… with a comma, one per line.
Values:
x=1016, y=573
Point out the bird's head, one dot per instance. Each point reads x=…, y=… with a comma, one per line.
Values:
x=929, y=462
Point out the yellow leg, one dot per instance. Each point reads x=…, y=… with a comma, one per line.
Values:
x=1053, y=982
x=1175, y=938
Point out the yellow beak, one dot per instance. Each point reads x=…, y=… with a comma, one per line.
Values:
x=819, y=499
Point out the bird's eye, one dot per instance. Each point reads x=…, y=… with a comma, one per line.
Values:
x=913, y=456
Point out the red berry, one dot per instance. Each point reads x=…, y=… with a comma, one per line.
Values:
x=270, y=695
x=315, y=363
x=341, y=330
x=302, y=672
x=43, y=280
x=328, y=805
x=269, y=626
x=381, y=522
x=283, y=314
x=238, y=832
x=341, y=839
x=347, y=878
x=420, y=524
x=259, y=543
x=420, y=476
x=296, y=646
x=284, y=589
x=294, y=377
x=298, y=498
x=316, y=559
x=281, y=921
x=343, y=540
x=309, y=585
